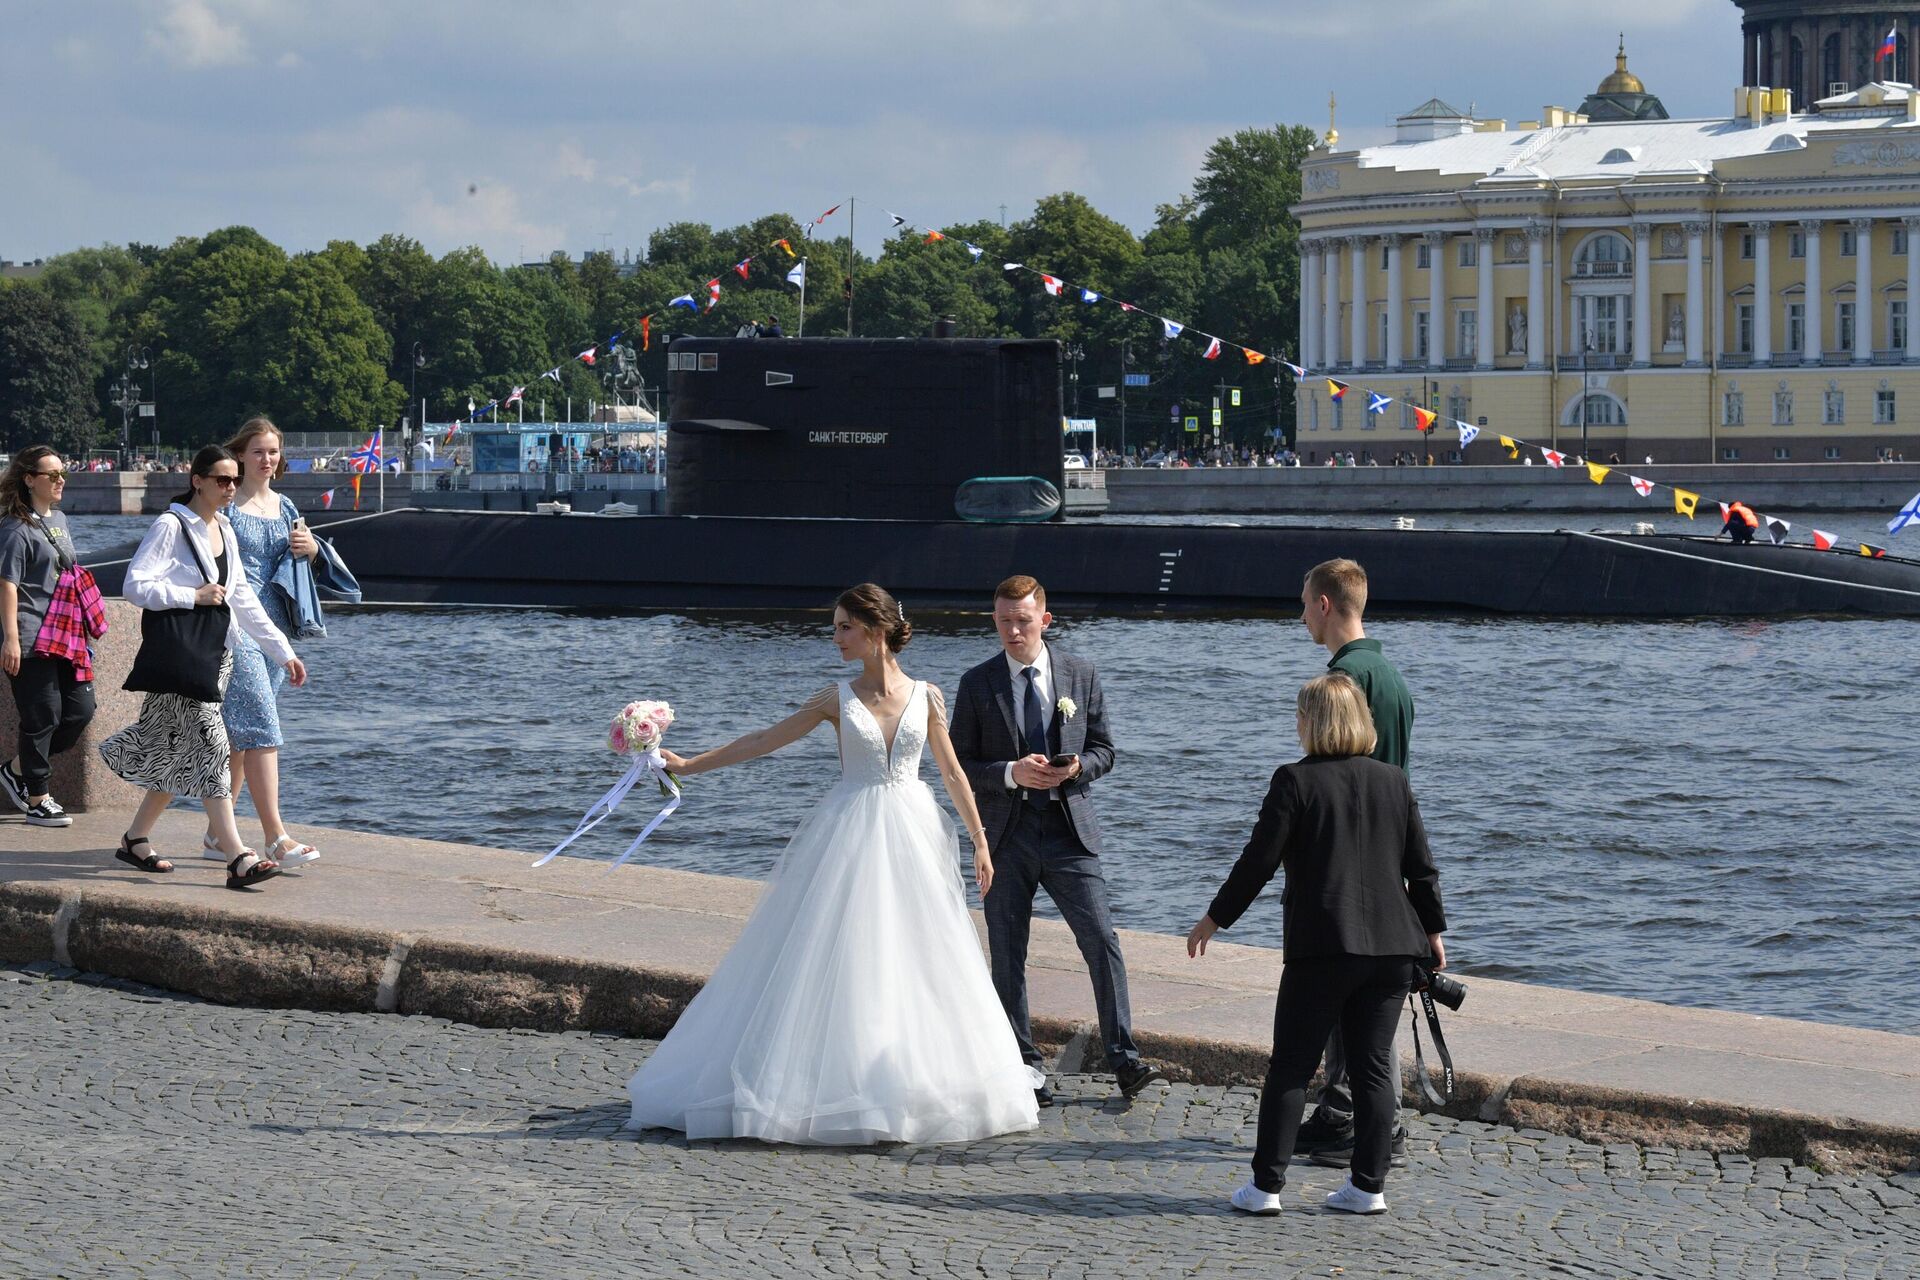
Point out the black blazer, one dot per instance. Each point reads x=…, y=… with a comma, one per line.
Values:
x=984, y=739
x=1360, y=878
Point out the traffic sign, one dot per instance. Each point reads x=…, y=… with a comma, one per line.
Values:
x=1108, y=393
x=1193, y=423
x=1216, y=415
x=1139, y=379
x=1236, y=397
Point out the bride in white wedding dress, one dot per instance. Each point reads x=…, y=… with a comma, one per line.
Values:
x=856, y=1006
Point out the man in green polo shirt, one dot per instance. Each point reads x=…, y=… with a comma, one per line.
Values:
x=1332, y=602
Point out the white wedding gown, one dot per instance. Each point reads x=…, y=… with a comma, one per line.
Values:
x=856, y=1006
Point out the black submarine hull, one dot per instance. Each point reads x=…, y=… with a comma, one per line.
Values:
x=512, y=559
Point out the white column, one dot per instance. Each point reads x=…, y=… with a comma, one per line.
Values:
x=1330, y=289
x=1816, y=301
x=1396, y=302
x=1357, y=328
x=1913, y=288
x=1643, y=317
x=1696, y=293
x=1762, y=292
x=1863, y=290
x=1536, y=295
x=1485, y=328
x=1436, y=299
x=1310, y=322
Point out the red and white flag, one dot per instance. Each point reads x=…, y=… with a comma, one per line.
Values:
x=1726, y=513
x=326, y=500
x=1213, y=350
x=1823, y=540
x=1053, y=284
x=1554, y=458
x=585, y=357
x=516, y=395
x=742, y=265
x=713, y=286
x=1642, y=487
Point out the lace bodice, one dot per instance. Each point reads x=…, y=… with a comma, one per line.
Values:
x=864, y=757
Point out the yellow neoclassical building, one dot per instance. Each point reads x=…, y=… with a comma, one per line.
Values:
x=1735, y=289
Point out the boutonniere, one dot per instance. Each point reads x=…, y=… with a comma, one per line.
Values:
x=1066, y=707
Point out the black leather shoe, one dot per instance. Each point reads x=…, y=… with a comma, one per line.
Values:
x=1339, y=1155
x=1132, y=1077
x=1043, y=1096
x=1321, y=1130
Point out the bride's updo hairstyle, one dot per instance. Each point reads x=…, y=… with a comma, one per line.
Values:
x=873, y=607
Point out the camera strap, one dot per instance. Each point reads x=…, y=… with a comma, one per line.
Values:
x=1437, y=1098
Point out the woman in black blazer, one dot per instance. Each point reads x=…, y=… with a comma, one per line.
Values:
x=1362, y=903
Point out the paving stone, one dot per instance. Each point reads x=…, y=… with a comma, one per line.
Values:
x=416, y=1147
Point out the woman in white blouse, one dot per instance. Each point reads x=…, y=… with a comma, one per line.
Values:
x=178, y=746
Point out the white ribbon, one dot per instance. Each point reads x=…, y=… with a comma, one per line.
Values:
x=650, y=765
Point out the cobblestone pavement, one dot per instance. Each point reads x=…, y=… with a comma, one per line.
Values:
x=148, y=1134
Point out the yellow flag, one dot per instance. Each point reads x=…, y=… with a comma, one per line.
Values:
x=1513, y=450
x=1684, y=502
x=1598, y=472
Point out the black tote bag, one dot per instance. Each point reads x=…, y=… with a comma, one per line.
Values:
x=180, y=649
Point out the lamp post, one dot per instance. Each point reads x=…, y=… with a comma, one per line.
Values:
x=1586, y=345
x=1076, y=354
x=138, y=358
x=413, y=380
x=1126, y=354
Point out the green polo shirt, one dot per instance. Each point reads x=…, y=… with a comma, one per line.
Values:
x=1387, y=697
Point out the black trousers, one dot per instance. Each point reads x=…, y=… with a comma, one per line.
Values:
x=55, y=709
x=1040, y=851
x=1361, y=995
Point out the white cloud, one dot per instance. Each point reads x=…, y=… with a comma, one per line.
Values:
x=191, y=35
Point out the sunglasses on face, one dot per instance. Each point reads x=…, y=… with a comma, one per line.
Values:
x=58, y=477
x=225, y=482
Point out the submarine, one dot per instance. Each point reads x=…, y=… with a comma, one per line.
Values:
x=796, y=467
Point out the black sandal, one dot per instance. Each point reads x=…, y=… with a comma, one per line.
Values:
x=148, y=862
x=262, y=869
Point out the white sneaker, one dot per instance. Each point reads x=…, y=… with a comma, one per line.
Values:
x=1251, y=1199
x=1351, y=1199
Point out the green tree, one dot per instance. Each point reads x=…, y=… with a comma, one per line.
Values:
x=46, y=371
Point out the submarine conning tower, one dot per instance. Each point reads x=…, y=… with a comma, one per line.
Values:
x=868, y=428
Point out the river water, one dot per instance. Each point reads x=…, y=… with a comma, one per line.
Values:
x=1699, y=812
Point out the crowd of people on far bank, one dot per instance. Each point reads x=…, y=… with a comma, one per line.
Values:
x=218, y=578
x=224, y=576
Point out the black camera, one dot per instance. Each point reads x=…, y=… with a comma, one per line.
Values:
x=1444, y=987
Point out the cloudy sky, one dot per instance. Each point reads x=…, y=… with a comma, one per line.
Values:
x=529, y=126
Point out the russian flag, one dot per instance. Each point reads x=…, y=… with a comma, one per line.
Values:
x=1890, y=46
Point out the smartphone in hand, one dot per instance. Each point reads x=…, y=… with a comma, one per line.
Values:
x=1060, y=762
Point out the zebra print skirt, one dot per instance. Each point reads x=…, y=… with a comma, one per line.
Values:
x=178, y=746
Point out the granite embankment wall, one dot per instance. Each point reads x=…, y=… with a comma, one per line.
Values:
x=1837, y=486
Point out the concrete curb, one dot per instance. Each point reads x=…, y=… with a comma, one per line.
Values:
x=274, y=962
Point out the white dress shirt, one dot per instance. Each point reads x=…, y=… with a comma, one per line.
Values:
x=163, y=574
x=1043, y=682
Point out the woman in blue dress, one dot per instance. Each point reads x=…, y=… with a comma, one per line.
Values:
x=267, y=527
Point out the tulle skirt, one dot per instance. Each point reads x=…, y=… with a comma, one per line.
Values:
x=856, y=1006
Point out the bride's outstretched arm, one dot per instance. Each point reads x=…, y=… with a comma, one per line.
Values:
x=823, y=706
x=958, y=788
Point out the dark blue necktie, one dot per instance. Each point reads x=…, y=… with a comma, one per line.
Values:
x=1036, y=725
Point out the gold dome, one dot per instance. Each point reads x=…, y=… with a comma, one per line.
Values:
x=1622, y=80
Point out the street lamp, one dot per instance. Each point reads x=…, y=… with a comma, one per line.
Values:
x=138, y=358
x=1126, y=354
x=1586, y=345
x=413, y=378
x=125, y=394
x=1076, y=353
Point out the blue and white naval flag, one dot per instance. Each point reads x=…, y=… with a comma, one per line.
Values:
x=1468, y=432
x=1909, y=514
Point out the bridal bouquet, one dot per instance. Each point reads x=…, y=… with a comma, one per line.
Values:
x=637, y=732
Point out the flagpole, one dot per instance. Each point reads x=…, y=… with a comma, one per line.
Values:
x=800, y=331
x=850, y=252
x=383, y=475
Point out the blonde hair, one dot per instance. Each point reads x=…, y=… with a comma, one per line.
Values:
x=1334, y=719
x=1342, y=582
x=258, y=426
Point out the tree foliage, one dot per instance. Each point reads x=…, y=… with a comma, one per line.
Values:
x=328, y=340
x=45, y=368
